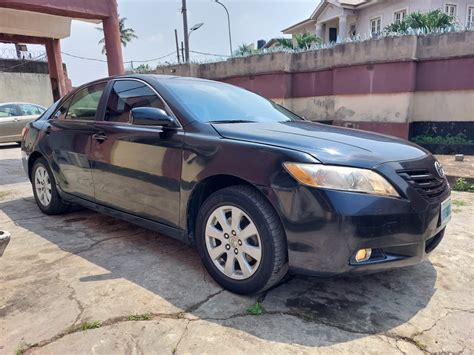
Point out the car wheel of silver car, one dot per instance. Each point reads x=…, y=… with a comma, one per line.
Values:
x=241, y=240
x=44, y=189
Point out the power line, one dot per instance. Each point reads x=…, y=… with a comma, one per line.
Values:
x=84, y=58
x=104, y=61
x=213, y=54
x=152, y=60
x=129, y=61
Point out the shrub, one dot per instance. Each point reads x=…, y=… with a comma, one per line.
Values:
x=427, y=22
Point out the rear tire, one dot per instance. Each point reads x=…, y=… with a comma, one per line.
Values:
x=44, y=189
x=249, y=253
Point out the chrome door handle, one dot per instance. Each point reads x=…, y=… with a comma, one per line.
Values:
x=99, y=137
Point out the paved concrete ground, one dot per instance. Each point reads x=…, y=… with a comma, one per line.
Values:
x=458, y=169
x=149, y=294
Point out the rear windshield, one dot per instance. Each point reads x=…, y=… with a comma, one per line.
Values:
x=209, y=101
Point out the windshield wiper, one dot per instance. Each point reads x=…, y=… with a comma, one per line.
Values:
x=232, y=121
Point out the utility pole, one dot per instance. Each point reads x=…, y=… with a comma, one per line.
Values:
x=177, y=45
x=185, y=28
x=182, y=50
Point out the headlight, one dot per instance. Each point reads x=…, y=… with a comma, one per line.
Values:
x=341, y=178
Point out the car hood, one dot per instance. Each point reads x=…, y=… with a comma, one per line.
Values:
x=328, y=144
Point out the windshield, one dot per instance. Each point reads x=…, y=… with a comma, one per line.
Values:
x=209, y=101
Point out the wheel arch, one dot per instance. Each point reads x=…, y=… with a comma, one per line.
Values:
x=208, y=186
x=31, y=161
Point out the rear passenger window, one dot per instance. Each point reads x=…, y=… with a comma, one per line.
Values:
x=85, y=103
x=128, y=94
x=30, y=110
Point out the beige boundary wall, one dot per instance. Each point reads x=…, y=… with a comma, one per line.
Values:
x=383, y=85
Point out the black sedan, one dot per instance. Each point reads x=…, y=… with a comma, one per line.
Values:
x=258, y=189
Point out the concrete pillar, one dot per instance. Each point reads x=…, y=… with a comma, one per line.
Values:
x=55, y=68
x=113, y=46
x=342, y=33
x=320, y=30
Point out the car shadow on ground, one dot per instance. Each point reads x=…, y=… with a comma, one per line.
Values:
x=349, y=307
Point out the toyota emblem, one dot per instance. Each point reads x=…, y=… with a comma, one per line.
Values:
x=439, y=169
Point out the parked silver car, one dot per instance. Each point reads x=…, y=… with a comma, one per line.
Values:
x=14, y=116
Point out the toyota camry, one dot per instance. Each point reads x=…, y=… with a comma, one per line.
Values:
x=256, y=188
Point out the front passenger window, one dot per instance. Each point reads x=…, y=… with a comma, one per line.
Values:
x=128, y=94
x=85, y=102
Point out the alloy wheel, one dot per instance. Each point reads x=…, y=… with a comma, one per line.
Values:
x=43, y=186
x=233, y=242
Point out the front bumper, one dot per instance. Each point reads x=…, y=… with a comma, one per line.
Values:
x=325, y=228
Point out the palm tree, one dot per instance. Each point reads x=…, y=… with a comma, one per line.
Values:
x=285, y=43
x=429, y=21
x=245, y=49
x=126, y=34
x=303, y=41
x=306, y=40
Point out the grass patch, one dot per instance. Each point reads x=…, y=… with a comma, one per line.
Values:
x=138, y=317
x=91, y=325
x=4, y=194
x=462, y=185
x=458, y=203
x=459, y=138
x=180, y=315
x=256, y=309
x=19, y=351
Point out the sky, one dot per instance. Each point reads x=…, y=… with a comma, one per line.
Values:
x=154, y=22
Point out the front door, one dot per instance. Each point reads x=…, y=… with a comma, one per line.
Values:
x=68, y=141
x=332, y=34
x=136, y=169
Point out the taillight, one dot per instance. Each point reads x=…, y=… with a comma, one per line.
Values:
x=24, y=132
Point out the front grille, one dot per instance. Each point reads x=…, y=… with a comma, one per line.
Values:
x=426, y=183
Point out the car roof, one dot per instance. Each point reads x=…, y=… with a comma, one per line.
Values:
x=146, y=77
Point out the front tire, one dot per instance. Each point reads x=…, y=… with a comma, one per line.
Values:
x=241, y=241
x=44, y=189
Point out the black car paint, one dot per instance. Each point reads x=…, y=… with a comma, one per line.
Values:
x=157, y=188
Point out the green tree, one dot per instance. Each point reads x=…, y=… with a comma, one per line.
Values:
x=127, y=34
x=245, y=49
x=428, y=22
x=285, y=43
x=306, y=40
x=303, y=41
x=143, y=68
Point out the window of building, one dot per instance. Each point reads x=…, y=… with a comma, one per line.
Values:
x=352, y=31
x=450, y=9
x=400, y=15
x=129, y=94
x=85, y=103
x=376, y=26
x=470, y=17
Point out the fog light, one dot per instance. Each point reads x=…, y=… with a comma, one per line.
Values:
x=363, y=255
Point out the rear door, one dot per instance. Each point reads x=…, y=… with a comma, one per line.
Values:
x=68, y=141
x=10, y=130
x=136, y=169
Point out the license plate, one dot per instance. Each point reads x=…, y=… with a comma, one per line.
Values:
x=445, y=211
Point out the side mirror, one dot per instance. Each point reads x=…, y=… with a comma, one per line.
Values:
x=150, y=116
